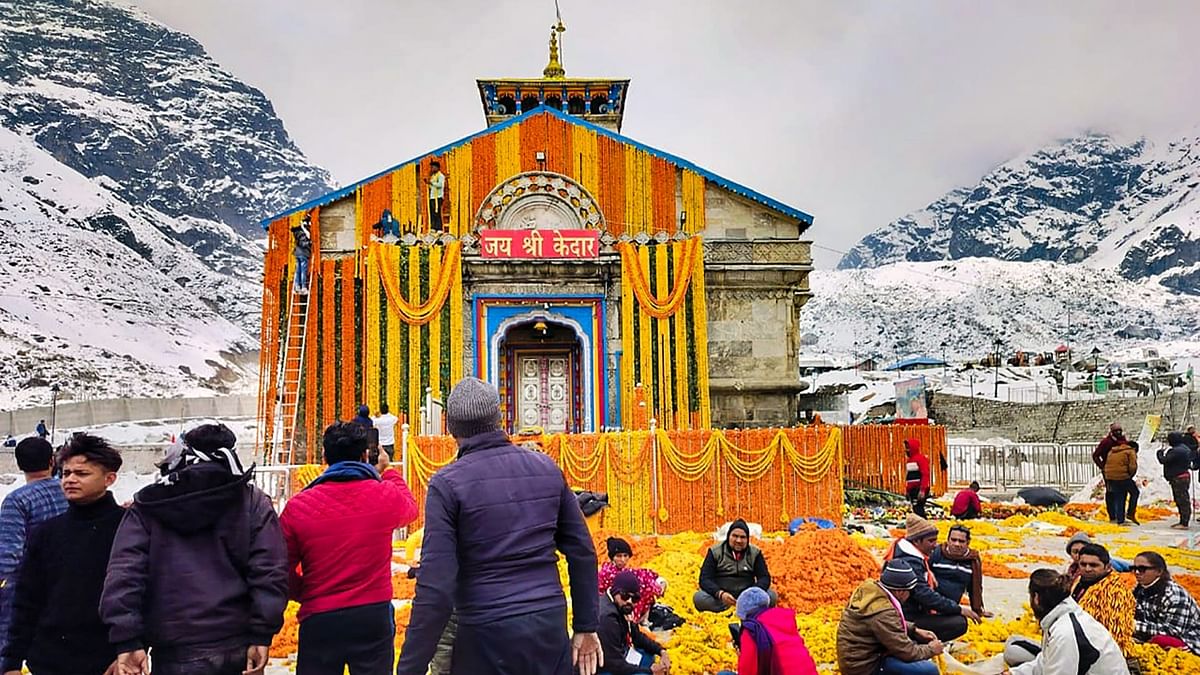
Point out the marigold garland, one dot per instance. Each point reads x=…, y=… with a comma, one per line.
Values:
x=651, y=303
x=384, y=257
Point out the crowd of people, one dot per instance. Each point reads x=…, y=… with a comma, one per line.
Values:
x=193, y=574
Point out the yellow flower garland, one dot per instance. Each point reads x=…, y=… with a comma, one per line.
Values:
x=385, y=258
x=650, y=302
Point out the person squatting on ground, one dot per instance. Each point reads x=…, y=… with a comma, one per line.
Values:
x=494, y=519
x=1166, y=614
x=650, y=586
x=966, y=503
x=916, y=476
x=958, y=569
x=873, y=637
x=339, y=557
x=768, y=642
x=1072, y=641
x=198, y=574
x=1120, y=466
x=925, y=606
x=627, y=650
x=56, y=624
x=729, y=568
x=38, y=500
x=1177, y=469
x=1101, y=594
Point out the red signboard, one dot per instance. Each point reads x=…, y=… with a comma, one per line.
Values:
x=534, y=244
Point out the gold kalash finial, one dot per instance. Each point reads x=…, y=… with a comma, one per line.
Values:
x=554, y=70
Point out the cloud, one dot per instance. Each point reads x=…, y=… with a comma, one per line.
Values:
x=856, y=112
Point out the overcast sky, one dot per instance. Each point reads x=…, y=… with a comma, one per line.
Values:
x=856, y=112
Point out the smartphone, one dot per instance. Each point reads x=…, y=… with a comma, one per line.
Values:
x=735, y=630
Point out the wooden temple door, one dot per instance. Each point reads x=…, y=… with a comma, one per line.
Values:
x=545, y=391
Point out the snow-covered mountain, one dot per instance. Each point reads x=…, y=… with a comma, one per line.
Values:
x=132, y=172
x=906, y=308
x=109, y=91
x=100, y=296
x=1127, y=208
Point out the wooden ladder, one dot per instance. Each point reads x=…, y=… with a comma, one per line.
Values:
x=290, y=378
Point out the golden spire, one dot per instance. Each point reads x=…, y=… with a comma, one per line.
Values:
x=554, y=70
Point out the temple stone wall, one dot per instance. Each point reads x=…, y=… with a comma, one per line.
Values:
x=730, y=216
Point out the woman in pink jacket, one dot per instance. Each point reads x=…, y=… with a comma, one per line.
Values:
x=769, y=643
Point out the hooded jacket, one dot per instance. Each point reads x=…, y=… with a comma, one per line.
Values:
x=871, y=629
x=197, y=563
x=916, y=470
x=1177, y=459
x=789, y=655
x=1073, y=642
x=725, y=570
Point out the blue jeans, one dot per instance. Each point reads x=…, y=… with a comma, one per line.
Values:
x=894, y=666
x=301, y=273
x=646, y=662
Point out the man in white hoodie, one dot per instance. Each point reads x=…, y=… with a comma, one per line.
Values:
x=1072, y=641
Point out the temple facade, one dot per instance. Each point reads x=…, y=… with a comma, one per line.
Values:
x=599, y=282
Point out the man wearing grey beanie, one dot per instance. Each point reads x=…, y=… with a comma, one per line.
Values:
x=494, y=521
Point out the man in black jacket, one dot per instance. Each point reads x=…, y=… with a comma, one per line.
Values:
x=627, y=650
x=730, y=568
x=925, y=607
x=56, y=628
x=199, y=566
x=1177, y=469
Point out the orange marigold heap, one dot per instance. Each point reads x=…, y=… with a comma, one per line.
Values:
x=817, y=567
x=1110, y=601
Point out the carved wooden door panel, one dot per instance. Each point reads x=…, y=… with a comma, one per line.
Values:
x=544, y=391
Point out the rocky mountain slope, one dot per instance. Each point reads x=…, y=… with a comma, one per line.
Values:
x=904, y=308
x=133, y=170
x=1127, y=208
x=109, y=91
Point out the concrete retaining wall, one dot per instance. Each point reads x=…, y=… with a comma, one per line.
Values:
x=135, y=459
x=1061, y=422
x=76, y=414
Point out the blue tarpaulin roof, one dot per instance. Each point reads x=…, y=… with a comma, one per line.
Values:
x=916, y=362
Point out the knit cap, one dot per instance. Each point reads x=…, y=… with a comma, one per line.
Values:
x=472, y=408
x=750, y=601
x=626, y=583
x=1078, y=538
x=897, y=577
x=617, y=545
x=916, y=527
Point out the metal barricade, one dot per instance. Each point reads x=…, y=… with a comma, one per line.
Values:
x=276, y=482
x=1016, y=465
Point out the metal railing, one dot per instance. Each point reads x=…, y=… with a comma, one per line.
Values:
x=1013, y=465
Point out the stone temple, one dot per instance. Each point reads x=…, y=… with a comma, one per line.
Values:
x=599, y=282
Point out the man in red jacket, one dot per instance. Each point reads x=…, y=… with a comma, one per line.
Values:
x=339, y=533
x=916, y=476
x=966, y=503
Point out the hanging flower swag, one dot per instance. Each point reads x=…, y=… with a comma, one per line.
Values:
x=661, y=308
x=385, y=258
